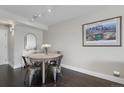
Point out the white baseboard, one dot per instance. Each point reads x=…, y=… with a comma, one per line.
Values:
x=96, y=74
x=11, y=65
x=5, y=62
x=16, y=66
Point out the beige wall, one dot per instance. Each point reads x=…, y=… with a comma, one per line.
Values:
x=67, y=37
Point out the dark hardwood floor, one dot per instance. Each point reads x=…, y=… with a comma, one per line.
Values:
x=15, y=78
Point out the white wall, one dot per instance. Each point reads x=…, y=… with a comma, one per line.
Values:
x=20, y=32
x=67, y=37
x=16, y=41
x=3, y=44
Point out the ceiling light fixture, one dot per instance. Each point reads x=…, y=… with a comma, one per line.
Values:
x=46, y=11
x=35, y=16
x=49, y=10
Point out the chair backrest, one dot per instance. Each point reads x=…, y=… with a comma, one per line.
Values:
x=59, y=60
x=58, y=52
x=25, y=56
x=35, y=63
x=56, y=61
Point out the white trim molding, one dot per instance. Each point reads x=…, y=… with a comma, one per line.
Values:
x=96, y=74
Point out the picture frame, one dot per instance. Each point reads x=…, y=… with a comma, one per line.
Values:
x=103, y=33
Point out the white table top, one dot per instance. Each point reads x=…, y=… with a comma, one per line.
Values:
x=44, y=56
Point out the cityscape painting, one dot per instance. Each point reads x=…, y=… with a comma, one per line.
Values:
x=103, y=33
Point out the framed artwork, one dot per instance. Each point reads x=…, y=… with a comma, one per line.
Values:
x=104, y=33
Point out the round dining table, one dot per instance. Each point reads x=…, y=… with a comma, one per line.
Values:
x=42, y=57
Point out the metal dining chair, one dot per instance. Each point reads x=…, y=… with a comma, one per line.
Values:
x=36, y=66
x=30, y=66
x=55, y=66
x=30, y=70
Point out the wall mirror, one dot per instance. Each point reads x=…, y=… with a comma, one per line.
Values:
x=30, y=42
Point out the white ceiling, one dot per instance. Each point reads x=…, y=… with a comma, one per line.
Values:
x=61, y=12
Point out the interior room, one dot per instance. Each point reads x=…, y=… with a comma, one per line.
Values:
x=61, y=46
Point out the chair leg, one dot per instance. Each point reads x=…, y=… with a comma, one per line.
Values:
x=59, y=71
x=26, y=74
x=31, y=76
x=54, y=74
